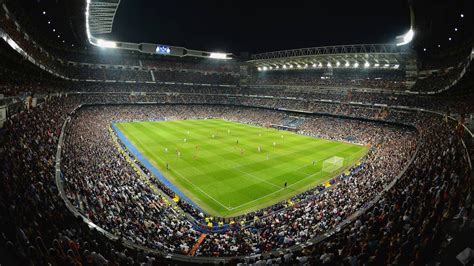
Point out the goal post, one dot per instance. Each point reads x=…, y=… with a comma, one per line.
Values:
x=333, y=164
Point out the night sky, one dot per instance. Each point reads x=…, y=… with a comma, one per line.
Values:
x=260, y=25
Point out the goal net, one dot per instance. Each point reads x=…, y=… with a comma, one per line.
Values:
x=332, y=164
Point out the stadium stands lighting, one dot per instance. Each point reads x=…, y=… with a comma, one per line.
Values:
x=347, y=64
x=367, y=64
x=218, y=56
x=386, y=65
x=329, y=64
x=449, y=39
x=49, y=22
x=406, y=38
x=291, y=66
x=396, y=66
x=284, y=66
x=265, y=68
x=44, y=12
x=320, y=64
x=455, y=29
x=376, y=65
x=314, y=65
x=424, y=49
x=338, y=63
x=356, y=64
x=106, y=44
x=462, y=15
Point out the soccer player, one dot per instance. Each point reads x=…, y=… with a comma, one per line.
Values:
x=314, y=162
x=167, y=166
x=286, y=183
x=237, y=141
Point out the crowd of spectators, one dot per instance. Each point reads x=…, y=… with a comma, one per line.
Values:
x=50, y=233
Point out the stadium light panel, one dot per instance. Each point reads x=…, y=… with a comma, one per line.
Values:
x=462, y=15
x=356, y=64
x=329, y=65
x=449, y=39
x=49, y=22
x=106, y=44
x=270, y=68
x=424, y=49
x=277, y=67
x=298, y=66
x=44, y=12
x=347, y=64
x=218, y=56
x=367, y=64
x=259, y=69
x=291, y=66
x=284, y=66
x=314, y=65
x=377, y=65
x=265, y=68
x=338, y=63
x=396, y=66
x=386, y=65
x=455, y=29
x=320, y=64
x=406, y=38
x=306, y=66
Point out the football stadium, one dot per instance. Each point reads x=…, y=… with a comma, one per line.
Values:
x=236, y=133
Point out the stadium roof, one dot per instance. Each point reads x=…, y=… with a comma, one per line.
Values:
x=379, y=55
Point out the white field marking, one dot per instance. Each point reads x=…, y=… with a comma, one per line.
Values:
x=198, y=188
x=274, y=192
x=233, y=208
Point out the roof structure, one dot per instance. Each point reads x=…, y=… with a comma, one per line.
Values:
x=100, y=15
x=334, y=56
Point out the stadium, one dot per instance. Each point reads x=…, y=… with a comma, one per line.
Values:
x=140, y=133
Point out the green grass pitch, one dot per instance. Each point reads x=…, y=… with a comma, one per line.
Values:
x=218, y=165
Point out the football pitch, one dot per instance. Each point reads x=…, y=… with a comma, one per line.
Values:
x=228, y=168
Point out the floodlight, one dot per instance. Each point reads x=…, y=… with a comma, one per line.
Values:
x=462, y=15
x=320, y=64
x=396, y=66
x=277, y=67
x=284, y=66
x=314, y=64
x=347, y=64
x=449, y=39
x=49, y=22
x=406, y=38
x=270, y=68
x=338, y=63
x=386, y=65
x=356, y=64
x=218, y=56
x=259, y=69
x=44, y=12
x=329, y=65
x=265, y=68
x=376, y=65
x=455, y=29
x=367, y=64
x=291, y=66
x=306, y=66
x=298, y=66
x=106, y=44
x=424, y=49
